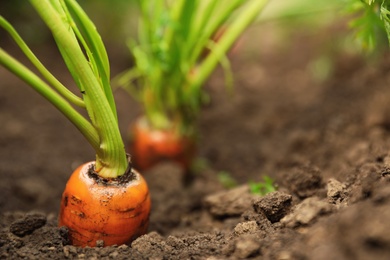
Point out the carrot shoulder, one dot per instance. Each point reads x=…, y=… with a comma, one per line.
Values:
x=114, y=212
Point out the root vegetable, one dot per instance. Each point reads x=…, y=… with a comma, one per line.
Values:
x=93, y=209
x=150, y=146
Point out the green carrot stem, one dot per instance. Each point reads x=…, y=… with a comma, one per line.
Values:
x=94, y=45
x=227, y=40
x=41, y=68
x=211, y=25
x=111, y=160
x=58, y=101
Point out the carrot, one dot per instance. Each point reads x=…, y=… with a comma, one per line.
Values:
x=105, y=199
x=93, y=209
x=150, y=146
x=171, y=69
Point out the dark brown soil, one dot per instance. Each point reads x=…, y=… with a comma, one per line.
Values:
x=325, y=143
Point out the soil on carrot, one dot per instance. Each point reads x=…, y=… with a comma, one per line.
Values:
x=308, y=114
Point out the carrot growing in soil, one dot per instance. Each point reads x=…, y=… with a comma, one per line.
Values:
x=174, y=56
x=106, y=199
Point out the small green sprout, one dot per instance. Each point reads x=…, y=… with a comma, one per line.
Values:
x=263, y=187
x=226, y=180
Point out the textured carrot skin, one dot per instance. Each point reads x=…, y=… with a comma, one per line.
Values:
x=114, y=213
x=148, y=147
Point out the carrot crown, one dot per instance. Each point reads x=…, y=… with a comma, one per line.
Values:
x=86, y=59
x=171, y=65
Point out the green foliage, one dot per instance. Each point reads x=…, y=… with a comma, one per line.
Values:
x=85, y=56
x=175, y=53
x=310, y=12
x=264, y=187
x=385, y=13
x=226, y=180
x=367, y=22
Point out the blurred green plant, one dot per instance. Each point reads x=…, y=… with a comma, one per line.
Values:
x=310, y=12
x=226, y=180
x=385, y=14
x=367, y=21
x=171, y=64
x=263, y=187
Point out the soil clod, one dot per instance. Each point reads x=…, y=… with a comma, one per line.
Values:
x=28, y=224
x=274, y=205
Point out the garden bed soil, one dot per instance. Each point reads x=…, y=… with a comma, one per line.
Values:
x=325, y=142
